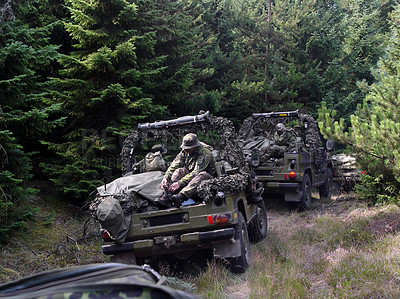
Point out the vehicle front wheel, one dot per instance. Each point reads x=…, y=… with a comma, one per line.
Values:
x=259, y=225
x=241, y=263
x=305, y=201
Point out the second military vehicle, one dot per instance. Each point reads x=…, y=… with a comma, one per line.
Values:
x=303, y=164
x=226, y=213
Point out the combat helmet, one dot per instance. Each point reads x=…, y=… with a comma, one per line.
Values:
x=189, y=141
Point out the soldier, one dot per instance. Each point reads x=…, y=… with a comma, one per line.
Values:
x=284, y=139
x=192, y=165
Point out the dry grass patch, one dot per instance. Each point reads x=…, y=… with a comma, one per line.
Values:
x=336, y=250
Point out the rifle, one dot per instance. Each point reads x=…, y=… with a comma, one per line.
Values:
x=277, y=114
x=184, y=120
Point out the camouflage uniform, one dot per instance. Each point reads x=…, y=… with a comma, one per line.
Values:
x=283, y=142
x=190, y=169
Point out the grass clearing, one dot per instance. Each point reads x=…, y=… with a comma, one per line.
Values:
x=337, y=249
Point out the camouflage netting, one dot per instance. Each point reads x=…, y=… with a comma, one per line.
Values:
x=225, y=142
x=258, y=126
x=232, y=183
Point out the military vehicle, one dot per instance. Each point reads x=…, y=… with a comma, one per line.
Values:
x=225, y=214
x=304, y=165
x=346, y=174
x=110, y=280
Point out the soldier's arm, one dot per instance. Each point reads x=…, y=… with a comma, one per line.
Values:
x=177, y=163
x=201, y=164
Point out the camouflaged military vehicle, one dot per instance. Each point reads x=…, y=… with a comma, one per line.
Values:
x=94, y=281
x=225, y=214
x=347, y=174
x=303, y=165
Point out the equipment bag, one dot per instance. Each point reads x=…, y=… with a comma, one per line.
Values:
x=112, y=218
x=154, y=161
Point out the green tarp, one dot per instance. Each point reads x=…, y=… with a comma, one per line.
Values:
x=146, y=184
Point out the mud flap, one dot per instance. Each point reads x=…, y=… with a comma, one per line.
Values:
x=293, y=196
x=228, y=249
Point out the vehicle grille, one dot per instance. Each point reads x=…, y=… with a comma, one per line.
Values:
x=166, y=219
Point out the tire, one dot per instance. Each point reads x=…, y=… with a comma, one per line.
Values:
x=259, y=226
x=241, y=263
x=305, y=201
x=325, y=191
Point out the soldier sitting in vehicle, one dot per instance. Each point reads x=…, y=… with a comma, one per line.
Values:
x=193, y=164
x=284, y=140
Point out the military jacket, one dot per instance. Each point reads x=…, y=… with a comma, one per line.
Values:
x=288, y=138
x=198, y=161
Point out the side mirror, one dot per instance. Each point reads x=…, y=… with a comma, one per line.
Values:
x=329, y=144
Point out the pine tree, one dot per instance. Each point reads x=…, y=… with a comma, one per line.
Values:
x=273, y=68
x=27, y=112
x=104, y=87
x=360, y=28
x=183, y=38
x=374, y=131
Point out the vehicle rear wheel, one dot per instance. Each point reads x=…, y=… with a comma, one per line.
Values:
x=259, y=225
x=325, y=191
x=241, y=263
x=306, y=192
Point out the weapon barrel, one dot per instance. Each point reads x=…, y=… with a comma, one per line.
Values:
x=277, y=114
x=184, y=120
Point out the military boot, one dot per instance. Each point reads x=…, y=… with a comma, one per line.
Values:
x=164, y=202
x=178, y=199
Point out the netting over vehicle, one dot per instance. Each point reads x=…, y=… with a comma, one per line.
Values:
x=265, y=126
x=219, y=133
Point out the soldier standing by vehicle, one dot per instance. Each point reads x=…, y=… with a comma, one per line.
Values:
x=284, y=139
x=192, y=165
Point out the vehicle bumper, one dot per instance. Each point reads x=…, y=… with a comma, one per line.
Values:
x=170, y=243
x=281, y=186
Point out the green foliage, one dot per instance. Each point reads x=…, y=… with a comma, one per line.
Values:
x=103, y=88
x=375, y=126
x=357, y=31
x=77, y=75
x=13, y=195
x=378, y=189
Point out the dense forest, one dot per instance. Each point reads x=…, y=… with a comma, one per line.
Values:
x=77, y=75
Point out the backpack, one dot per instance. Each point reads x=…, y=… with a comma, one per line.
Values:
x=112, y=218
x=154, y=161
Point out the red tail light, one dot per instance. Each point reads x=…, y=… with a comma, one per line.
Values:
x=292, y=175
